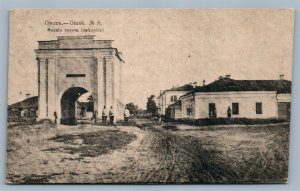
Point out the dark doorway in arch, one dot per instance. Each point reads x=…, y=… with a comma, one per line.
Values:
x=69, y=105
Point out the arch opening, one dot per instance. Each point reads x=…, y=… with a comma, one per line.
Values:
x=72, y=107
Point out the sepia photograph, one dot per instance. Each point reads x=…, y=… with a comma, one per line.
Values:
x=149, y=96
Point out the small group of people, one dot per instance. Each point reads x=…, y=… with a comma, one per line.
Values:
x=213, y=113
x=111, y=115
x=105, y=114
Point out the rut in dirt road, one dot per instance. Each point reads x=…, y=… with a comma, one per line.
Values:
x=182, y=159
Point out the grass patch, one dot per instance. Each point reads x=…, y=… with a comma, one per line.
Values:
x=38, y=179
x=231, y=121
x=126, y=123
x=28, y=123
x=93, y=144
x=171, y=127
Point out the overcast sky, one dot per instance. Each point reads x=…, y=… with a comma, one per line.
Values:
x=164, y=48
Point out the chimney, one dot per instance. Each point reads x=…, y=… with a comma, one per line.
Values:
x=203, y=83
x=227, y=76
x=161, y=92
x=194, y=84
x=281, y=76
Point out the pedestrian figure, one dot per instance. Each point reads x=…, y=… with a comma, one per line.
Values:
x=229, y=112
x=95, y=116
x=104, y=115
x=55, y=117
x=215, y=113
x=126, y=114
x=111, y=115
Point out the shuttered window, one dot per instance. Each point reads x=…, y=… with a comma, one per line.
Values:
x=235, y=109
x=258, y=108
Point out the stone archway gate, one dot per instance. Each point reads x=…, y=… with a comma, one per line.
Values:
x=78, y=61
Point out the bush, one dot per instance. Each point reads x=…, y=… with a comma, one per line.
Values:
x=226, y=121
x=21, y=119
x=124, y=123
x=43, y=121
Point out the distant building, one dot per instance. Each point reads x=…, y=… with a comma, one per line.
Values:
x=174, y=110
x=84, y=110
x=170, y=96
x=25, y=108
x=246, y=99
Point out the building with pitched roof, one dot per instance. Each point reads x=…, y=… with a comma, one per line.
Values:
x=25, y=108
x=243, y=98
x=170, y=96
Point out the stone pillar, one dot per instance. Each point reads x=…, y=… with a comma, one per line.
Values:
x=100, y=85
x=39, y=76
x=95, y=86
x=51, y=88
x=116, y=89
x=38, y=67
x=113, y=84
x=42, y=88
x=109, y=82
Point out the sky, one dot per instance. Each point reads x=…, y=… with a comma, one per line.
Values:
x=164, y=48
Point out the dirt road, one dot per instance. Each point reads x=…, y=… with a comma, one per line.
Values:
x=182, y=159
x=150, y=154
x=186, y=158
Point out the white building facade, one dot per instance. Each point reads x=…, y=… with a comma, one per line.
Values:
x=169, y=97
x=246, y=99
x=73, y=65
x=242, y=104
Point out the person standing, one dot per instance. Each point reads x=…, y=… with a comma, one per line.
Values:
x=95, y=116
x=111, y=115
x=104, y=115
x=55, y=117
x=215, y=113
x=126, y=114
x=229, y=112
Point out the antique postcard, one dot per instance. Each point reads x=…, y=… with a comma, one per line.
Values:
x=149, y=96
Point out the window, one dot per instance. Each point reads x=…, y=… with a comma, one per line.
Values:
x=75, y=75
x=258, y=108
x=211, y=109
x=235, y=109
x=189, y=109
x=173, y=98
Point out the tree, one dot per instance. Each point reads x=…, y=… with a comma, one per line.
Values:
x=90, y=98
x=90, y=106
x=151, y=105
x=132, y=108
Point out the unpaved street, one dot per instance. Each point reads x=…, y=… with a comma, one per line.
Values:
x=149, y=153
